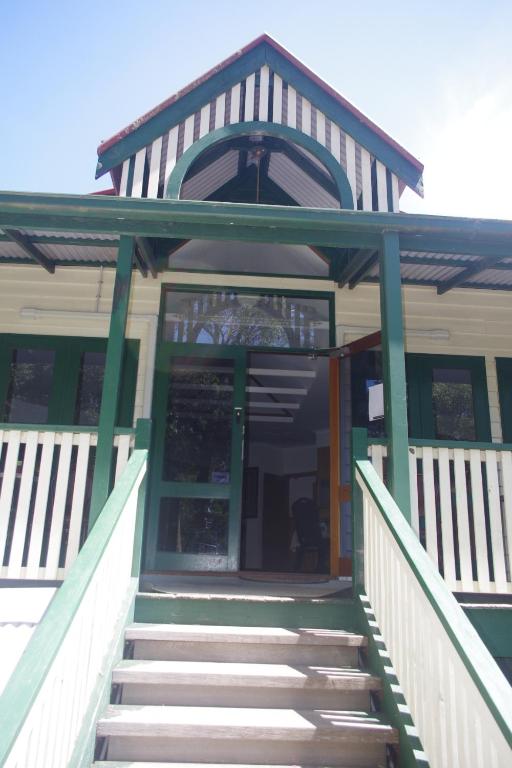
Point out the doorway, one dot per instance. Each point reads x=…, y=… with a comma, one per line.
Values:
x=286, y=476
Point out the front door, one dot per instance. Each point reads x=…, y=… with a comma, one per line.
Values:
x=194, y=520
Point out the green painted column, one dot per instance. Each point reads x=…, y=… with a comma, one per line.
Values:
x=112, y=378
x=393, y=363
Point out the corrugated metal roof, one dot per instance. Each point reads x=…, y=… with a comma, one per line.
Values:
x=72, y=253
x=70, y=235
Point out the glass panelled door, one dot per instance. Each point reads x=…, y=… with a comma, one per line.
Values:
x=197, y=467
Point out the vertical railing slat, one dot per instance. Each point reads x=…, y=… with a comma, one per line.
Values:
x=123, y=452
x=11, y=462
x=40, y=507
x=506, y=479
x=479, y=528
x=413, y=475
x=429, y=497
x=75, y=523
x=445, y=496
x=30, y=440
x=493, y=495
x=59, y=507
x=461, y=498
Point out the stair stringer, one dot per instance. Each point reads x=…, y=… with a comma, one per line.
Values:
x=392, y=700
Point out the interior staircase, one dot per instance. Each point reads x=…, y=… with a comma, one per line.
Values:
x=207, y=695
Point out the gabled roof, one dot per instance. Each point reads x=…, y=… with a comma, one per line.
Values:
x=263, y=50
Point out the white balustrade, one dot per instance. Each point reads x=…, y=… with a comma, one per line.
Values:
x=45, y=483
x=96, y=607
x=461, y=509
x=445, y=673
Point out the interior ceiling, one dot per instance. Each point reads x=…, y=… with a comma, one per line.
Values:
x=281, y=415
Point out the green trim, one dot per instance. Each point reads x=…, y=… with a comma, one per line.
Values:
x=393, y=366
x=112, y=379
x=263, y=129
x=504, y=373
x=184, y=219
x=479, y=663
x=392, y=700
x=494, y=625
x=32, y=669
x=64, y=392
x=320, y=613
x=419, y=378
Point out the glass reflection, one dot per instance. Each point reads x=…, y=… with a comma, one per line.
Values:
x=193, y=526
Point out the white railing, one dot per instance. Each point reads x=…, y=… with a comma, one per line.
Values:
x=460, y=702
x=45, y=485
x=461, y=510
x=46, y=707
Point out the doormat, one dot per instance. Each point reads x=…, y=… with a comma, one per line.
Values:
x=284, y=578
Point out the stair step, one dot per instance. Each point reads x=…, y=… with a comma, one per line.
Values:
x=245, y=644
x=229, y=735
x=138, y=764
x=227, y=634
x=243, y=685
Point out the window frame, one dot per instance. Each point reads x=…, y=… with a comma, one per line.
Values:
x=64, y=391
x=420, y=396
x=504, y=375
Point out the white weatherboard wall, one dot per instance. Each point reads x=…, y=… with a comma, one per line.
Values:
x=477, y=322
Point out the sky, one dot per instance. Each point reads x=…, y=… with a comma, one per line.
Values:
x=436, y=76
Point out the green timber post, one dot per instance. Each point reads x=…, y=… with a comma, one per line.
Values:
x=112, y=379
x=393, y=364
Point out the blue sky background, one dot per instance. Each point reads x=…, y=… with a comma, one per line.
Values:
x=437, y=76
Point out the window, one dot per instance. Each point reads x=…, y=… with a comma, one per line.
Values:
x=447, y=397
x=233, y=317
x=59, y=380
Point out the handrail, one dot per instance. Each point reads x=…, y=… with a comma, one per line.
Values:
x=6, y=426
x=467, y=445
x=34, y=666
x=475, y=657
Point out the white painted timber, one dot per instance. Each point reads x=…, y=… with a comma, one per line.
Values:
x=249, y=98
x=366, y=179
x=382, y=187
x=220, y=109
x=395, y=191
x=351, y=166
x=234, y=110
x=306, y=116
x=60, y=707
x=138, y=173
x=172, y=150
x=124, y=178
x=56, y=461
x=277, y=107
x=154, y=168
x=450, y=713
x=481, y=479
x=292, y=107
x=264, y=88
x=188, y=133
x=204, y=121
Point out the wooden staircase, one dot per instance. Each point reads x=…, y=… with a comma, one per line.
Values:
x=187, y=695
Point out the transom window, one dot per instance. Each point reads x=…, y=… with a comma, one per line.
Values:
x=251, y=319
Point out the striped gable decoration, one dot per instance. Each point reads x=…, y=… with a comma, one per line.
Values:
x=262, y=95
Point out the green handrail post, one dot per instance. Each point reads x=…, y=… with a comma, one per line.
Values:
x=359, y=451
x=142, y=440
x=112, y=379
x=393, y=363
